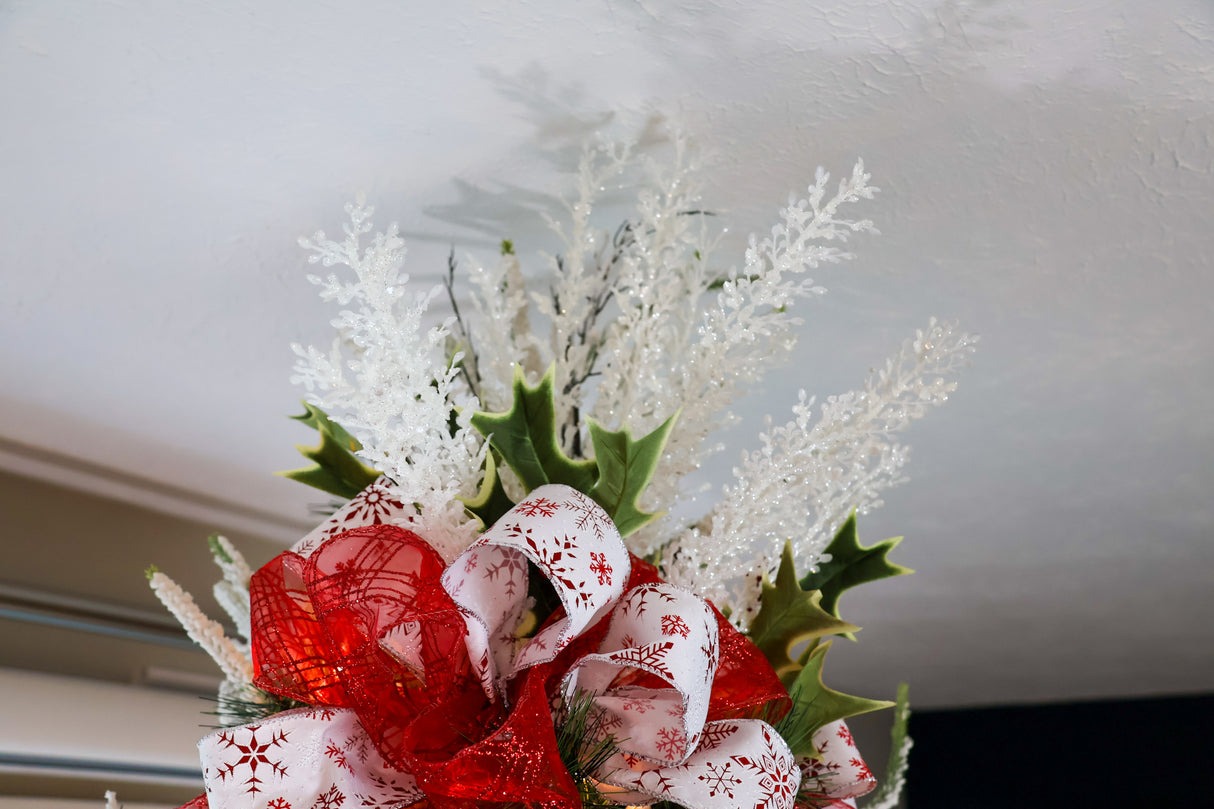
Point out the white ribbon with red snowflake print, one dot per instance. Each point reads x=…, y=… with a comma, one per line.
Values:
x=302, y=759
x=572, y=542
x=837, y=769
x=670, y=634
x=738, y=763
x=378, y=504
x=668, y=751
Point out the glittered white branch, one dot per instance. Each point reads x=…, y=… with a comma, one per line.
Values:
x=386, y=380
x=232, y=659
x=809, y=474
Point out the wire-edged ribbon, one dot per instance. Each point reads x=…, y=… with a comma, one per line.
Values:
x=363, y=622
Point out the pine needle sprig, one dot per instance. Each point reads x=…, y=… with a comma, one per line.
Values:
x=795, y=728
x=583, y=745
x=233, y=710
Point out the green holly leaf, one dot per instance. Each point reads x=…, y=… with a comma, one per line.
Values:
x=625, y=468
x=789, y=616
x=815, y=705
x=491, y=502
x=525, y=437
x=851, y=564
x=334, y=469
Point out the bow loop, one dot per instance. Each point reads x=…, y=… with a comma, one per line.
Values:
x=653, y=673
x=739, y=764
x=568, y=539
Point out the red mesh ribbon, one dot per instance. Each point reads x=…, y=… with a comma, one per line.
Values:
x=317, y=626
x=745, y=685
x=364, y=623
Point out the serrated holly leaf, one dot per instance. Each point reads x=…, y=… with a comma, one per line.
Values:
x=491, y=502
x=625, y=468
x=334, y=469
x=815, y=705
x=851, y=564
x=317, y=419
x=525, y=437
x=788, y=616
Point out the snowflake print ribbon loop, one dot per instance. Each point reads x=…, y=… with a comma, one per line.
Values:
x=837, y=770
x=653, y=672
x=739, y=764
x=378, y=504
x=572, y=542
x=302, y=759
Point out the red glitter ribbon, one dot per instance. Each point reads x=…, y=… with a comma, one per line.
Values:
x=364, y=622
x=317, y=629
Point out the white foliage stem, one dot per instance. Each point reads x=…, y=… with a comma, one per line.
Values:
x=700, y=361
x=809, y=475
x=232, y=591
x=209, y=635
x=502, y=330
x=385, y=379
x=581, y=288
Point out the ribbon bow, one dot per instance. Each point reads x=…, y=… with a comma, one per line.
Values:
x=421, y=689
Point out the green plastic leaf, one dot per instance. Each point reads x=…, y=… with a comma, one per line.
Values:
x=525, y=437
x=815, y=705
x=851, y=564
x=625, y=468
x=318, y=420
x=491, y=502
x=334, y=469
x=789, y=616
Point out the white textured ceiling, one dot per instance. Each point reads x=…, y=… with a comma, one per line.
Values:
x=1047, y=176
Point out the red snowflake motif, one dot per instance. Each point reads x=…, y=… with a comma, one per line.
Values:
x=392, y=795
x=715, y=734
x=323, y=714
x=512, y=568
x=278, y=803
x=539, y=507
x=718, y=779
x=651, y=658
x=554, y=557
x=331, y=799
x=638, y=705
x=590, y=517
x=774, y=770
x=671, y=742
x=600, y=568
x=660, y=783
x=371, y=507
x=674, y=625
x=865, y=773
x=339, y=757
x=374, y=504
x=470, y=562
x=253, y=754
x=357, y=744
x=845, y=735
x=628, y=642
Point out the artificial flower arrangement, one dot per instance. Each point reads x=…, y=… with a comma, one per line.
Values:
x=508, y=603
